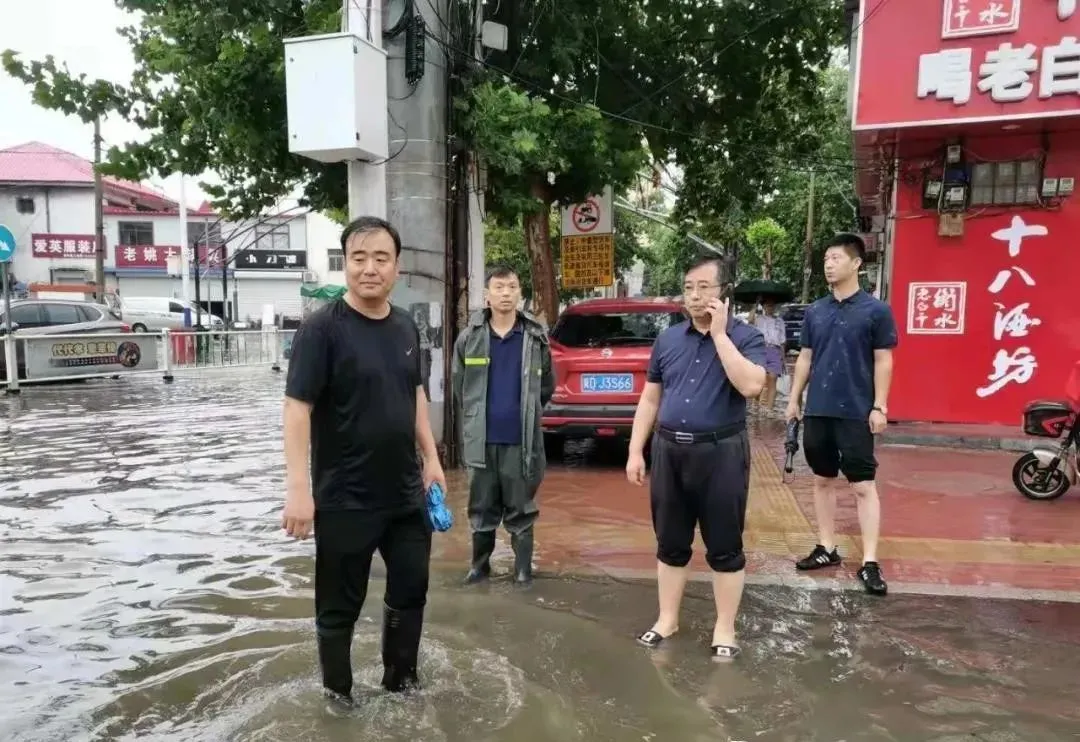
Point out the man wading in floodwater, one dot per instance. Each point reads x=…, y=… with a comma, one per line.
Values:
x=355, y=392
x=501, y=382
x=699, y=377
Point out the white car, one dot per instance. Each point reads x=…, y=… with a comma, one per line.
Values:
x=154, y=314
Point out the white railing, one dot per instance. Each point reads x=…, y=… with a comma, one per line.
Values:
x=44, y=358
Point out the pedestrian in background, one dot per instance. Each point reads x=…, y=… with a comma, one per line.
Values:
x=700, y=374
x=845, y=366
x=355, y=394
x=501, y=380
x=775, y=333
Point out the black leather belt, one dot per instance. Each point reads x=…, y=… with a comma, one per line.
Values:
x=678, y=436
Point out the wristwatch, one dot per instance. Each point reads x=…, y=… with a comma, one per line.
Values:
x=883, y=410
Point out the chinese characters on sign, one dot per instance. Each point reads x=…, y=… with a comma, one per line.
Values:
x=63, y=246
x=157, y=256
x=1012, y=319
x=964, y=18
x=588, y=261
x=271, y=260
x=936, y=308
x=1008, y=74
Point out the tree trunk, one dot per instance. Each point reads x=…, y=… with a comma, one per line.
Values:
x=538, y=245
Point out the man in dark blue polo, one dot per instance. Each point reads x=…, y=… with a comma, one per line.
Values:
x=699, y=377
x=501, y=380
x=846, y=367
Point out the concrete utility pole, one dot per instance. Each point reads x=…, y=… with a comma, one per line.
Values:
x=367, y=181
x=808, y=247
x=416, y=171
x=185, y=254
x=99, y=217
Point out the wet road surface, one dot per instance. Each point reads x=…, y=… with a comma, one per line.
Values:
x=146, y=592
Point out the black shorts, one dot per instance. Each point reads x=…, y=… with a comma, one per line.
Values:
x=705, y=485
x=835, y=445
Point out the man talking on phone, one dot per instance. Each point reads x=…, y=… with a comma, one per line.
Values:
x=700, y=374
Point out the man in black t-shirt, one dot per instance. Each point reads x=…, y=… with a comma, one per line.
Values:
x=355, y=395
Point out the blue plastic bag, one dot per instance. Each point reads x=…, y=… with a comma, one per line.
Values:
x=441, y=518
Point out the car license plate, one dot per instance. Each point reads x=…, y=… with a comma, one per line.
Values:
x=599, y=383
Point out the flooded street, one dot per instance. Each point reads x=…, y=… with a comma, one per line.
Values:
x=147, y=592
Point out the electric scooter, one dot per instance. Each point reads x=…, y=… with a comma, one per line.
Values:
x=1047, y=472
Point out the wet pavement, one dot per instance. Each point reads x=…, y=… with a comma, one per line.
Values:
x=146, y=592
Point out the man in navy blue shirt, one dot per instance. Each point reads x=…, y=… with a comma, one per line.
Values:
x=699, y=377
x=845, y=366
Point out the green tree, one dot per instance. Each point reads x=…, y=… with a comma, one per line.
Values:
x=769, y=252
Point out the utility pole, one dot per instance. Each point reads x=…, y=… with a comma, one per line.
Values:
x=367, y=180
x=185, y=255
x=99, y=217
x=808, y=247
x=417, y=168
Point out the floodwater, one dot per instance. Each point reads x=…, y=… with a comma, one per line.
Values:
x=147, y=593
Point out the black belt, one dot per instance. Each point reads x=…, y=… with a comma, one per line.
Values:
x=678, y=436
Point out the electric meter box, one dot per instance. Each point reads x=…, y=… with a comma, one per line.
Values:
x=335, y=86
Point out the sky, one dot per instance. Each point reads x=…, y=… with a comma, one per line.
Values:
x=83, y=34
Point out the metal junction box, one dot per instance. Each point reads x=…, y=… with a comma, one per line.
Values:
x=336, y=96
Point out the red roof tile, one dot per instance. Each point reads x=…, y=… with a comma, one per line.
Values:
x=35, y=162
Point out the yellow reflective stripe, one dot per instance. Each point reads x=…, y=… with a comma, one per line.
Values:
x=476, y=361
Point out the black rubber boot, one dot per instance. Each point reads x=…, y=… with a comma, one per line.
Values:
x=336, y=662
x=401, y=648
x=522, y=544
x=483, y=544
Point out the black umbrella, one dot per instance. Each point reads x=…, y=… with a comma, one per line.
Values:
x=750, y=292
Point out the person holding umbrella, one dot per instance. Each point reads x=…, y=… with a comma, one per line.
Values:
x=775, y=332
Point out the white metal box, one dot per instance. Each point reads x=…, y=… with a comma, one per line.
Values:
x=336, y=98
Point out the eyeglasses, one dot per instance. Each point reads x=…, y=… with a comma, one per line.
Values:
x=701, y=288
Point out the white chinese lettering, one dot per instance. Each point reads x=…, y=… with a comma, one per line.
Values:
x=947, y=74
x=1060, y=74
x=56, y=246
x=936, y=308
x=1018, y=367
x=1066, y=8
x=131, y=255
x=69, y=247
x=150, y=254
x=1006, y=73
x=251, y=259
x=290, y=259
x=41, y=247
x=1016, y=232
x=1014, y=322
x=993, y=14
x=169, y=253
x=961, y=14
x=946, y=321
x=83, y=247
x=1002, y=278
x=945, y=299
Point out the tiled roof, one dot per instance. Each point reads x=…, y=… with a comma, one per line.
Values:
x=35, y=162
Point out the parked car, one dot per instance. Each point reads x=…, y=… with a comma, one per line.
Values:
x=56, y=317
x=793, y=314
x=600, y=351
x=157, y=313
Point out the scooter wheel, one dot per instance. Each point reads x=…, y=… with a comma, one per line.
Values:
x=1035, y=482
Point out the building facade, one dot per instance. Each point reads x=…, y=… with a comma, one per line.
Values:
x=47, y=200
x=966, y=119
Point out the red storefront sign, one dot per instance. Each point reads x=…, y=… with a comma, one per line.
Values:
x=986, y=323
x=63, y=246
x=937, y=62
x=157, y=256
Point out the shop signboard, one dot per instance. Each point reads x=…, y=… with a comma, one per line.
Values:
x=77, y=246
x=941, y=62
x=260, y=260
x=104, y=353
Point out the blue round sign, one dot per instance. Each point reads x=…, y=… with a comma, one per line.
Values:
x=7, y=244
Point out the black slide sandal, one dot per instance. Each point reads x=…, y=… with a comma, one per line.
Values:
x=651, y=639
x=724, y=652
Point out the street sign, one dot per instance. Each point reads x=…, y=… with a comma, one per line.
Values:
x=7, y=244
x=592, y=216
x=588, y=261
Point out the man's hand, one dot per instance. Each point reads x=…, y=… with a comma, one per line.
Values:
x=878, y=422
x=719, y=311
x=635, y=469
x=433, y=472
x=794, y=411
x=298, y=514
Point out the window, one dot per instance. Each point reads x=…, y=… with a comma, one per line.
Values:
x=631, y=328
x=204, y=233
x=89, y=313
x=62, y=314
x=272, y=237
x=136, y=233
x=24, y=205
x=176, y=307
x=337, y=260
x=26, y=315
x=1005, y=183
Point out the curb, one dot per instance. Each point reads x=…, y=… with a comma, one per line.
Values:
x=975, y=443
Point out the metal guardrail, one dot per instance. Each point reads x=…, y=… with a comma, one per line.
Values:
x=33, y=359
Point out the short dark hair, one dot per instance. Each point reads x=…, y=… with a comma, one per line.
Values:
x=364, y=224
x=704, y=260
x=500, y=271
x=852, y=243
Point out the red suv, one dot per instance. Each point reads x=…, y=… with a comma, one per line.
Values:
x=600, y=350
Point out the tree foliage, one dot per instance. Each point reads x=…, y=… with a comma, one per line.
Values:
x=769, y=252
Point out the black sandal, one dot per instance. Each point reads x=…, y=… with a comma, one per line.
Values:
x=652, y=639
x=724, y=652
